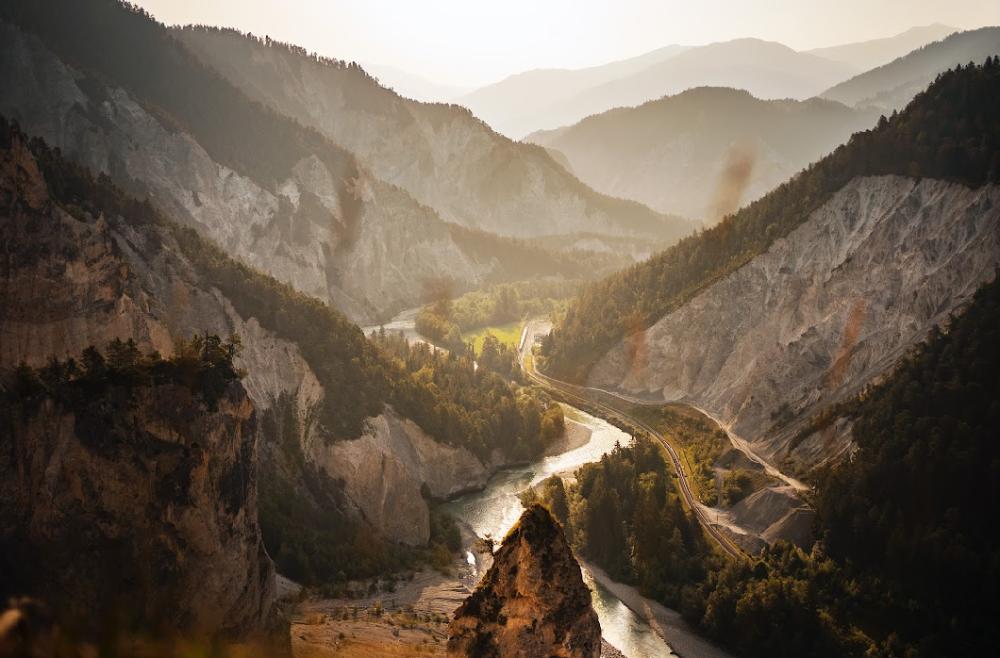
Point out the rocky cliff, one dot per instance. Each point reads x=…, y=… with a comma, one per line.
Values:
x=69, y=280
x=388, y=469
x=440, y=154
x=326, y=225
x=532, y=602
x=771, y=348
x=136, y=508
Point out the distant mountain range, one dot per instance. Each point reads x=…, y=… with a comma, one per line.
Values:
x=865, y=55
x=550, y=98
x=892, y=86
x=677, y=154
x=519, y=104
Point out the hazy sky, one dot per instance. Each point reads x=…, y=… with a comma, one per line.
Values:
x=473, y=42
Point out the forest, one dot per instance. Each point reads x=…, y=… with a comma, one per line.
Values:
x=951, y=131
x=903, y=565
x=204, y=365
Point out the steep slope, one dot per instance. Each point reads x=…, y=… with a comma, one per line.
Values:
x=801, y=299
x=442, y=155
x=270, y=192
x=866, y=55
x=531, y=602
x=764, y=68
x=114, y=476
x=347, y=433
x=893, y=85
x=520, y=103
x=933, y=420
x=677, y=154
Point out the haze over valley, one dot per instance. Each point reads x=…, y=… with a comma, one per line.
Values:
x=574, y=329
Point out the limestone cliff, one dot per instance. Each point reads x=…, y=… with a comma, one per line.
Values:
x=440, y=154
x=822, y=313
x=136, y=508
x=387, y=470
x=532, y=602
x=68, y=281
x=328, y=226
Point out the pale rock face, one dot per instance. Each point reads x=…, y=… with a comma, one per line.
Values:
x=440, y=154
x=368, y=260
x=70, y=283
x=824, y=312
x=383, y=472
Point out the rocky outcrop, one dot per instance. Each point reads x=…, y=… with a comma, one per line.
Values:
x=532, y=602
x=138, y=509
x=824, y=312
x=388, y=471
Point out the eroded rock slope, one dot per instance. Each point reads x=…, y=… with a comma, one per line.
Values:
x=818, y=316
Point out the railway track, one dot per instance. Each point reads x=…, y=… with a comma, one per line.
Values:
x=580, y=394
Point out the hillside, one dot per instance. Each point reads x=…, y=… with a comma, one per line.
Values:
x=83, y=264
x=766, y=69
x=891, y=86
x=269, y=191
x=521, y=103
x=800, y=299
x=911, y=500
x=440, y=154
x=675, y=154
x=866, y=55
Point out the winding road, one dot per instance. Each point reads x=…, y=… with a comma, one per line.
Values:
x=580, y=395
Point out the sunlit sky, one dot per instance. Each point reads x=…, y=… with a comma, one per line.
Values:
x=471, y=42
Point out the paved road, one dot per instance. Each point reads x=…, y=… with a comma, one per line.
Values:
x=584, y=395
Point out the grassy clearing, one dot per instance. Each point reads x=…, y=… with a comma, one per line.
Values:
x=508, y=334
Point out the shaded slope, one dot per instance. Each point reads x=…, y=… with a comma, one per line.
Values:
x=674, y=153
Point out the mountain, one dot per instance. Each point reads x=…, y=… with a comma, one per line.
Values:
x=891, y=86
x=522, y=103
x=676, y=154
x=440, y=154
x=764, y=68
x=332, y=441
x=865, y=55
x=413, y=86
x=117, y=471
x=268, y=190
x=531, y=602
x=804, y=297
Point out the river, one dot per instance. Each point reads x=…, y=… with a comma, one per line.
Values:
x=495, y=509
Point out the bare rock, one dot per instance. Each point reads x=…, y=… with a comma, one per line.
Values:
x=532, y=602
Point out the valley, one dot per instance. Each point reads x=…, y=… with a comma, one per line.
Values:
x=586, y=332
